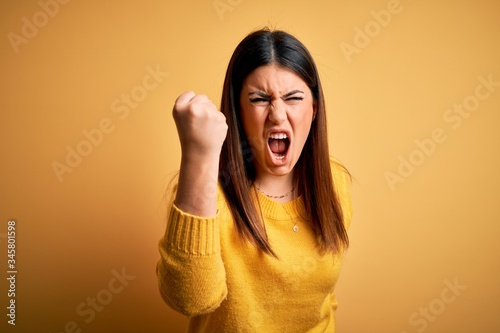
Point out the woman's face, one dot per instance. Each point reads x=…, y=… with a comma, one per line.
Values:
x=277, y=109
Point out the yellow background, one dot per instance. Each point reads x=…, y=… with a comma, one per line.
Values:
x=408, y=240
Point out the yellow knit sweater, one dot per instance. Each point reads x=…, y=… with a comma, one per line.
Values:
x=206, y=271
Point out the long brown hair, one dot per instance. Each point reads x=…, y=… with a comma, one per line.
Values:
x=312, y=171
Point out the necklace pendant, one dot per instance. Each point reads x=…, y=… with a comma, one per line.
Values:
x=295, y=228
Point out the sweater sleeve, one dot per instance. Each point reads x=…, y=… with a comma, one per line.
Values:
x=190, y=272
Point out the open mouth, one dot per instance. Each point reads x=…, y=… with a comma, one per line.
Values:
x=278, y=144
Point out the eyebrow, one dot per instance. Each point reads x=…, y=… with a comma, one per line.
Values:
x=293, y=92
x=260, y=93
x=263, y=94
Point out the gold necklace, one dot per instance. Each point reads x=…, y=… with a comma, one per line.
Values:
x=287, y=194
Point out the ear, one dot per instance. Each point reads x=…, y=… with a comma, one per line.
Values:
x=315, y=109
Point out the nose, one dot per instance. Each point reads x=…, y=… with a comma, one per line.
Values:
x=277, y=112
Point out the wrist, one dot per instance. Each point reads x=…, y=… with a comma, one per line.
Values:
x=197, y=187
x=200, y=158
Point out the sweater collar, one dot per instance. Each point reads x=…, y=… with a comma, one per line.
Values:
x=277, y=211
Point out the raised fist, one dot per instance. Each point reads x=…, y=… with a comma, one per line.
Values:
x=201, y=126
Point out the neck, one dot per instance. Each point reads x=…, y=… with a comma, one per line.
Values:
x=278, y=188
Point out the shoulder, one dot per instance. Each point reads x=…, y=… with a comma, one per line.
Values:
x=342, y=184
x=341, y=176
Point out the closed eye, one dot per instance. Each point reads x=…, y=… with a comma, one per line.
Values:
x=259, y=100
x=294, y=100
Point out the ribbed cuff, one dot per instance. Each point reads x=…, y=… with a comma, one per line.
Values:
x=192, y=234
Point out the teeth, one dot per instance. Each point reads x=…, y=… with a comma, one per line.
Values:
x=278, y=136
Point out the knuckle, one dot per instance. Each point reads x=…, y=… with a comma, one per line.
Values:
x=194, y=110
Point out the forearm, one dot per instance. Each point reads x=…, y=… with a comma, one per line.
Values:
x=202, y=130
x=190, y=271
x=197, y=188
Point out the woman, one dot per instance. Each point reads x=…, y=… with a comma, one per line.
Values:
x=257, y=229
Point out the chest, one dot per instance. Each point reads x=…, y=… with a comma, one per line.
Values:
x=299, y=269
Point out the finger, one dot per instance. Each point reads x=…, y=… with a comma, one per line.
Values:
x=185, y=98
x=201, y=99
